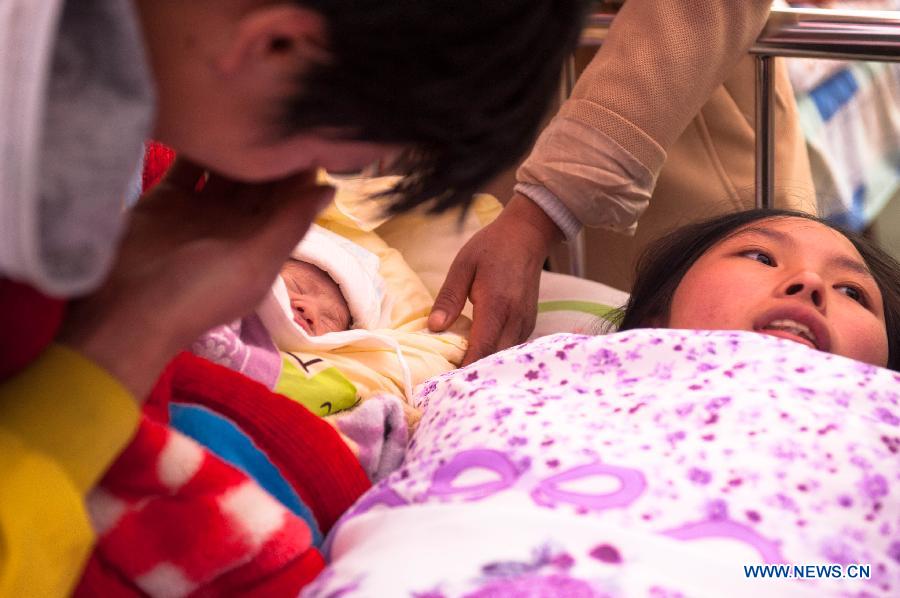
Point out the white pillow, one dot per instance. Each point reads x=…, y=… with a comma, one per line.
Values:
x=577, y=305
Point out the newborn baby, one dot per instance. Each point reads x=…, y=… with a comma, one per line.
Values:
x=326, y=337
x=329, y=293
x=316, y=300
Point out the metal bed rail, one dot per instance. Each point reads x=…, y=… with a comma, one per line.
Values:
x=808, y=33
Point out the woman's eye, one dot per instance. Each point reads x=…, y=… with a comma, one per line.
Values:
x=759, y=256
x=852, y=292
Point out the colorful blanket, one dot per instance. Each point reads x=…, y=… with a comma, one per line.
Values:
x=337, y=383
x=333, y=380
x=644, y=463
x=241, y=506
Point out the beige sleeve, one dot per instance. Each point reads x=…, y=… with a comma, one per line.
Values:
x=659, y=64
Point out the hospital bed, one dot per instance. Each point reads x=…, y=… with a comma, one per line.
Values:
x=574, y=304
x=568, y=303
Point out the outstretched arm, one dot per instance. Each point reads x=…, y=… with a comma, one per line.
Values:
x=499, y=269
x=602, y=152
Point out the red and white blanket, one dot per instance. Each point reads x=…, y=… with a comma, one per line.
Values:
x=175, y=519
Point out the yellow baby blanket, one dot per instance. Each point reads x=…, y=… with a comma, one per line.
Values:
x=330, y=380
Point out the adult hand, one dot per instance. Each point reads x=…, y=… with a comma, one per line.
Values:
x=189, y=260
x=499, y=269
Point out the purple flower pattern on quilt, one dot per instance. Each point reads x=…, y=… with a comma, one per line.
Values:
x=687, y=435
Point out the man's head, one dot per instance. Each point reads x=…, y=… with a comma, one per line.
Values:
x=449, y=91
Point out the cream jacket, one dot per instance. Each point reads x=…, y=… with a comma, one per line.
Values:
x=665, y=111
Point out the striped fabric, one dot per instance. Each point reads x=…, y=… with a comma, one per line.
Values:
x=226, y=487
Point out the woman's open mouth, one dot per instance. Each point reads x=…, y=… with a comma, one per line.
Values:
x=791, y=330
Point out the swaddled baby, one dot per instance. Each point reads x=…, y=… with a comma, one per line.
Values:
x=329, y=315
x=328, y=286
x=330, y=295
x=343, y=331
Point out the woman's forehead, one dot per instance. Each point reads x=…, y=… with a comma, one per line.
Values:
x=799, y=232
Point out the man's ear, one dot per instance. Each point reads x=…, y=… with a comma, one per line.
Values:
x=275, y=41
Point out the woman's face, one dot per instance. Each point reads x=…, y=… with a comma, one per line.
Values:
x=791, y=278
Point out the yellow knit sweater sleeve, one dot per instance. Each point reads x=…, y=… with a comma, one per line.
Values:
x=62, y=422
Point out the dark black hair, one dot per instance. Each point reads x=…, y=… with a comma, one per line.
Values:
x=665, y=262
x=464, y=83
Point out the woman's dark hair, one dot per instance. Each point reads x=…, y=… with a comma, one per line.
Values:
x=464, y=83
x=665, y=262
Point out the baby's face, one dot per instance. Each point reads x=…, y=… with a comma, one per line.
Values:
x=316, y=300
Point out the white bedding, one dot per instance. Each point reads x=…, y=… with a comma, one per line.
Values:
x=644, y=463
